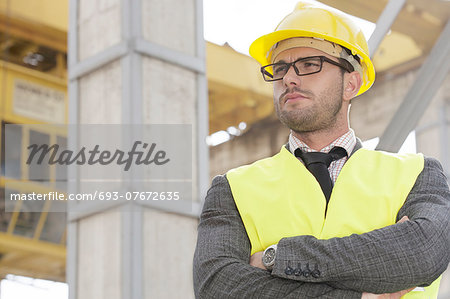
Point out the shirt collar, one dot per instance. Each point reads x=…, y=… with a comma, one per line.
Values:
x=346, y=141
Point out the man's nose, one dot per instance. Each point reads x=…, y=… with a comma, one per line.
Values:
x=291, y=77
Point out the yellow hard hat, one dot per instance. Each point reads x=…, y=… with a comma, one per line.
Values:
x=309, y=20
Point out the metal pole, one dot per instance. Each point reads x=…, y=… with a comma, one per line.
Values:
x=384, y=23
x=429, y=79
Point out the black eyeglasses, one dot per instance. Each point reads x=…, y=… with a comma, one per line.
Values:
x=303, y=66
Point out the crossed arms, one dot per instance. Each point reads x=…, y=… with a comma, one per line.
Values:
x=397, y=257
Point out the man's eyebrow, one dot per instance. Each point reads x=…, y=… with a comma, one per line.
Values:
x=282, y=61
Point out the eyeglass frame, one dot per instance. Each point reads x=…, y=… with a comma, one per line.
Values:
x=289, y=64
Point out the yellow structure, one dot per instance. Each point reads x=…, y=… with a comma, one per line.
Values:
x=33, y=90
x=235, y=88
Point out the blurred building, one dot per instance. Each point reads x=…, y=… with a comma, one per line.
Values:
x=115, y=50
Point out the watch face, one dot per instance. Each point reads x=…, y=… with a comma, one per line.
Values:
x=269, y=256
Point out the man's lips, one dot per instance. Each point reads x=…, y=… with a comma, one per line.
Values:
x=292, y=97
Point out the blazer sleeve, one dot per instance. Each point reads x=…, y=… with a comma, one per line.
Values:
x=393, y=258
x=221, y=259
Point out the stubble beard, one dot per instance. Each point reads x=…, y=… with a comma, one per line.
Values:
x=321, y=115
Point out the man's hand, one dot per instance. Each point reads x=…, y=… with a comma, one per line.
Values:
x=256, y=260
x=404, y=219
x=397, y=295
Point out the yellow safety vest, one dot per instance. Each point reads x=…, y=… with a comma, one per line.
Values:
x=278, y=197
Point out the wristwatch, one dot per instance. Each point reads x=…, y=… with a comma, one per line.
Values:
x=268, y=257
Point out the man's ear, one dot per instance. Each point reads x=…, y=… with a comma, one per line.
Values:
x=352, y=84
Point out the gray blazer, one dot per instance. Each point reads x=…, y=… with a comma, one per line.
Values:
x=397, y=257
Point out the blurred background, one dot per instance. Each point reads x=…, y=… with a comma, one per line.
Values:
x=184, y=62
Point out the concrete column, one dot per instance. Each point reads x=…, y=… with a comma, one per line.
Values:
x=137, y=62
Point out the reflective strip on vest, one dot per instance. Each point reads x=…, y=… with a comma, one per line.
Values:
x=278, y=197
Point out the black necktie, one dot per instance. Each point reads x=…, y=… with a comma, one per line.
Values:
x=317, y=163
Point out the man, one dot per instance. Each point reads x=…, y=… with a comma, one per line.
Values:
x=348, y=224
